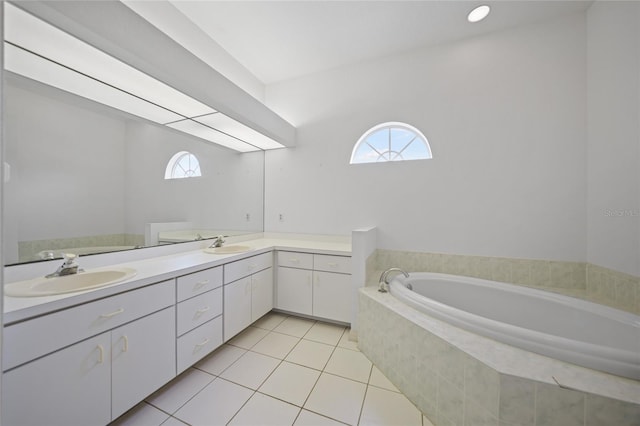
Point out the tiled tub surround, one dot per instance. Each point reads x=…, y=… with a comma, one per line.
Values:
x=577, y=279
x=458, y=378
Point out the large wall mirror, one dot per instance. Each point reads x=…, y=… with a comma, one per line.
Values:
x=84, y=177
x=87, y=178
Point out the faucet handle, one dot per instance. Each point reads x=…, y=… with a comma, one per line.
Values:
x=69, y=257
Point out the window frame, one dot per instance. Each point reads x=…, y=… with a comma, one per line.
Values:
x=174, y=163
x=427, y=153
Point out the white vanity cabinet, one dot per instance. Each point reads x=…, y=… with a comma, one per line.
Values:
x=248, y=292
x=314, y=284
x=90, y=382
x=198, y=316
x=69, y=387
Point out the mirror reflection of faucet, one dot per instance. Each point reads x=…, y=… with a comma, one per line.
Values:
x=68, y=267
x=217, y=242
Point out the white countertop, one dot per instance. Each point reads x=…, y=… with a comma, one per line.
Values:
x=160, y=268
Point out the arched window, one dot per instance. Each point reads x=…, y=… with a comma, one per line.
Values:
x=182, y=165
x=391, y=142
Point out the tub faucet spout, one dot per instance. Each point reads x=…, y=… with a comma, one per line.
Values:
x=383, y=284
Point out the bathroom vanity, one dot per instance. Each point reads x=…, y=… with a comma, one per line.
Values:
x=88, y=357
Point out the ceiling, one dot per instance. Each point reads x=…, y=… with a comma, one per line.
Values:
x=282, y=40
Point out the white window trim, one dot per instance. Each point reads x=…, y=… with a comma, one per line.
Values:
x=169, y=172
x=391, y=125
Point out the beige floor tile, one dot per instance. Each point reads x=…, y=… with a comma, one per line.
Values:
x=215, y=405
x=248, y=338
x=383, y=407
x=172, y=421
x=142, y=414
x=250, y=370
x=270, y=321
x=220, y=359
x=277, y=345
x=325, y=333
x=307, y=418
x=180, y=390
x=346, y=343
x=349, y=364
x=337, y=398
x=291, y=383
x=265, y=411
x=294, y=326
x=380, y=380
x=310, y=354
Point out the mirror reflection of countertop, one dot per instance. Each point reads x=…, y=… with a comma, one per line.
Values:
x=160, y=268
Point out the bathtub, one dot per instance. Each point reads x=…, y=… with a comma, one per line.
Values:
x=557, y=326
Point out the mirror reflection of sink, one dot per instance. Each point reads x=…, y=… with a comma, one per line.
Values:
x=227, y=249
x=68, y=283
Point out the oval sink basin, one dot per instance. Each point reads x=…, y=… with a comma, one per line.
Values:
x=68, y=283
x=227, y=249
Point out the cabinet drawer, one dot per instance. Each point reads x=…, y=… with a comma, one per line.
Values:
x=242, y=268
x=294, y=259
x=328, y=263
x=199, y=342
x=30, y=339
x=198, y=310
x=199, y=282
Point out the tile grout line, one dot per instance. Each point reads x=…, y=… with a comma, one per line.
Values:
x=366, y=390
x=271, y=373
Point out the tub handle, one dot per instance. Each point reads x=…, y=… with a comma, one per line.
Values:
x=409, y=286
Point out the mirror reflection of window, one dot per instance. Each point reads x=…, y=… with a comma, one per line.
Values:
x=182, y=165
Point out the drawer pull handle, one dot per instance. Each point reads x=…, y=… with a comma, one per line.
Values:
x=202, y=311
x=125, y=347
x=200, y=284
x=294, y=260
x=101, y=356
x=201, y=344
x=332, y=264
x=112, y=314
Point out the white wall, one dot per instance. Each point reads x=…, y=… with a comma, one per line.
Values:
x=229, y=188
x=49, y=143
x=505, y=117
x=614, y=135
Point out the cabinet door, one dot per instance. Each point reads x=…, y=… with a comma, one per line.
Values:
x=237, y=307
x=69, y=387
x=294, y=290
x=143, y=358
x=261, y=293
x=332, y=296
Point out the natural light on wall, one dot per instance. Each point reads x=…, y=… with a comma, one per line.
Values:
x=41, y=52
x=391, y=141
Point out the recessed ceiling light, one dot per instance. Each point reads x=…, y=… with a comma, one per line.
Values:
x=479, y=13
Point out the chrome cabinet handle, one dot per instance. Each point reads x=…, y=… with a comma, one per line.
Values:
x=125, y=347
x=112, y=314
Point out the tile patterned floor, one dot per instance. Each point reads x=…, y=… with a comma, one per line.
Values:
x=282, y=370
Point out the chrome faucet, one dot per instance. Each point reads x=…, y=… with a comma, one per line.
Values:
x=217, y=242
x=383, y=279
x=68, y=267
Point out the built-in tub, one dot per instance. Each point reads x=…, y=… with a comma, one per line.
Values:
x=561, y=327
